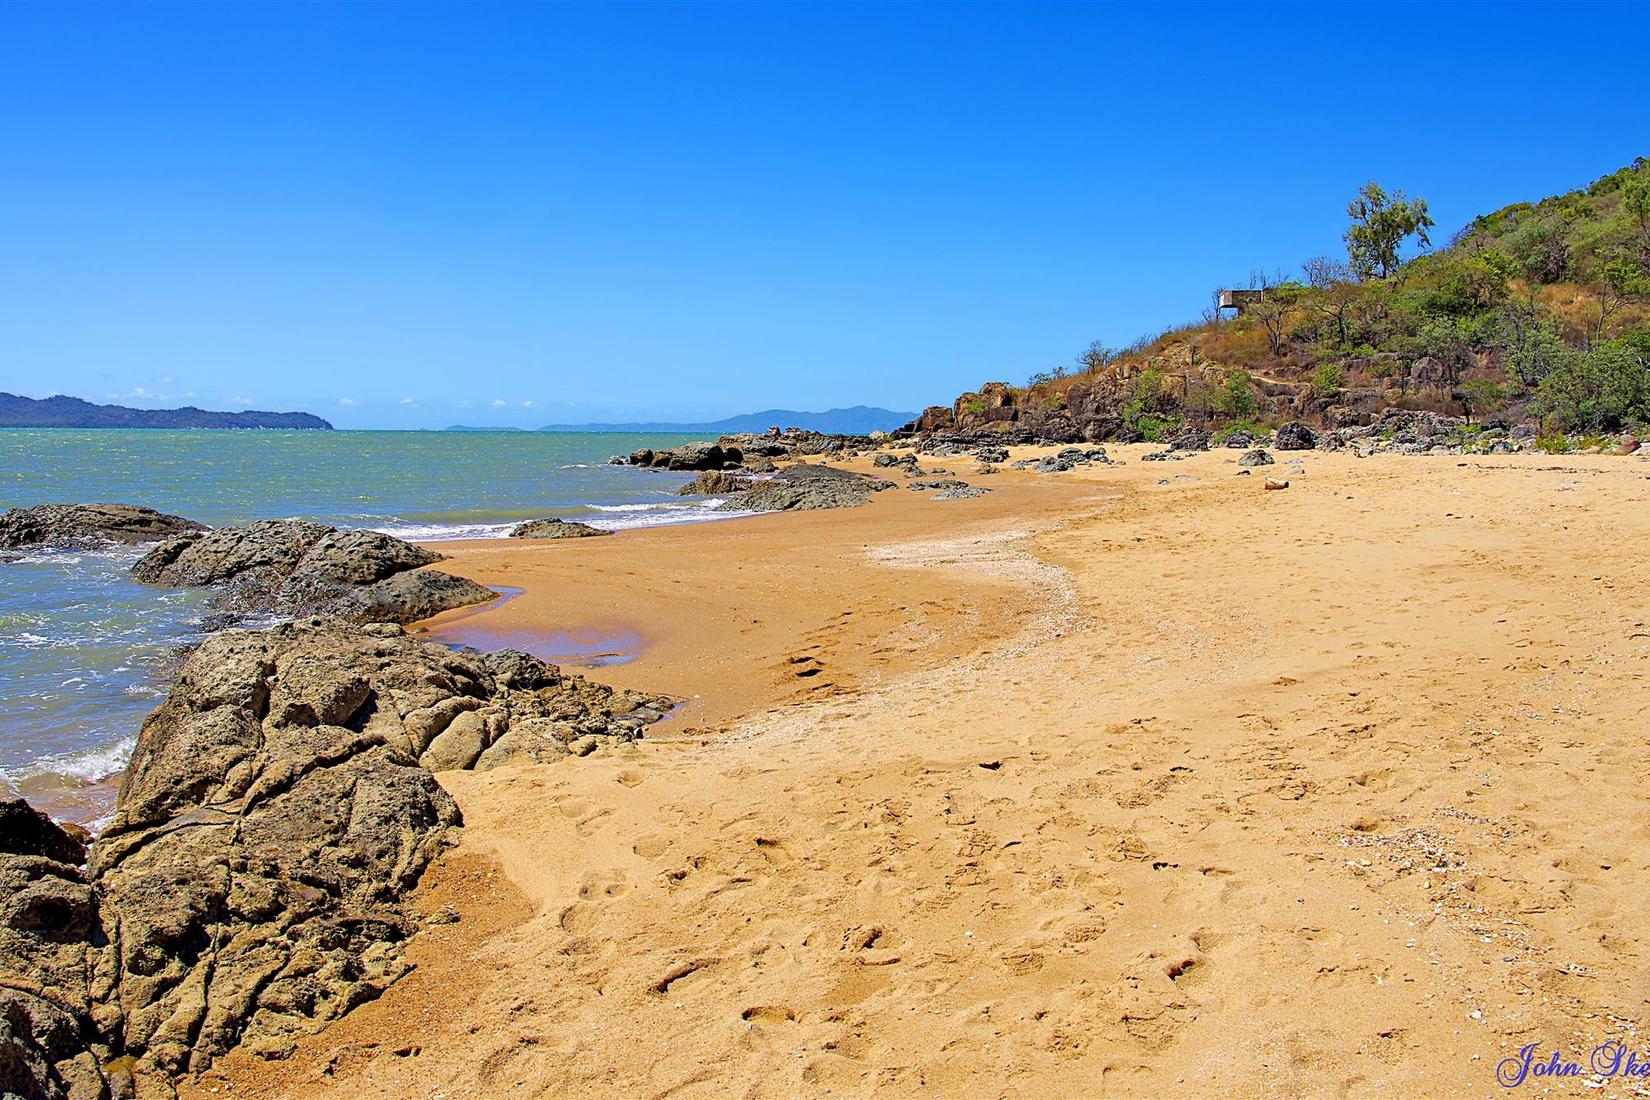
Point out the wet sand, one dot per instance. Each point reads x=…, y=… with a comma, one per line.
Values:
x=1102, y=786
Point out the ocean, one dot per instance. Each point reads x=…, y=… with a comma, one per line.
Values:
x=86, y=653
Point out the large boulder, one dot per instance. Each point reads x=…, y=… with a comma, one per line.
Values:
x=77, y=526
x=690, y=456
x=278, y=810
x=295, y=567
x=805, y=487
x=713, y=483
x=1295, y=436
x=1256, y=457
x=556, y=529
x=50, y=944
x=935, y=418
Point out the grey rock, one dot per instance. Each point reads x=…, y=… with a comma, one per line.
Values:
x=403, y=598
x=713, y=483
x=1295, y=436
x=294, y=567
x=1194, y=440
x=556, y=529
x=1239, y=439
x=689, y=456
x=1256, y=457
x=949, y=489
x=80, y=526
x=275, y=817
x=806, y=486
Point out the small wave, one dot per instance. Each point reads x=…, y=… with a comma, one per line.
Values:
x=674, y=517
x=85, y=765
x=650, y=507
x=143, y=691
x=441, y=532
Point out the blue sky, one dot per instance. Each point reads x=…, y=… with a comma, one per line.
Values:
x=407, y=216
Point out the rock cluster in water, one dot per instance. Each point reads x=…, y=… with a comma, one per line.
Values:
x=689, y=456
x=79, y=526
x=278, y=810
x=295, y=567
x=713, y=483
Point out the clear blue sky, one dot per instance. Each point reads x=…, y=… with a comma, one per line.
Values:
x=414, y=215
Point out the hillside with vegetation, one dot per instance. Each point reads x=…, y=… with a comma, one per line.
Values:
x=1538, y=312
x=72, y=412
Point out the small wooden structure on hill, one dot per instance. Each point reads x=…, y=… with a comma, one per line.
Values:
x=1238, y=300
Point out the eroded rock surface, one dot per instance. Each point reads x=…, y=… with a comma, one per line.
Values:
x=556, y=529
x=280, y=807
x=76, y=526
x=1296, y=436
x=713, y=483
x=689, y=456
x=295, y=567
x=803, y=487
x=50, y=940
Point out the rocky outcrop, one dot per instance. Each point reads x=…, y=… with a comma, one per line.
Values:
x=949, y=489
x=556, y=529
x=935, y=418
x=689, y=456
x=1295, y=436
x=793, y=443
x=78, y=526
x=1068, y=459
x=50, y=939
x=714, y=483
x=294, y=567
x=804, y=487
x=280, y=807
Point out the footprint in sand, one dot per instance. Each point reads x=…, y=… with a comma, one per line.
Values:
x=603, y=885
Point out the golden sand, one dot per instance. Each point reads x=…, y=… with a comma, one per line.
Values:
x=1101, y=787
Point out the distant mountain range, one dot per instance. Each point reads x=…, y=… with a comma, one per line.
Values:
x=859, y=420
x=72, y=412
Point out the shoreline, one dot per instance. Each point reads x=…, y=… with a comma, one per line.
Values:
x=1248, y=771
x=758, y=610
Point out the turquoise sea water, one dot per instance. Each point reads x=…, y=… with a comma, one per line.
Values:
x=85, y=652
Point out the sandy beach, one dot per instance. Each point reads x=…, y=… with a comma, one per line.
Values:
x=1132, y=780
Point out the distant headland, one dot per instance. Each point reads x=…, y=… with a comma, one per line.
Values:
x=72, y=412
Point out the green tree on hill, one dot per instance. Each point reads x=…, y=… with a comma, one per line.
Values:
x=1380, y=222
